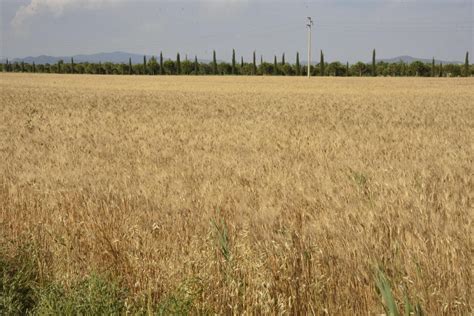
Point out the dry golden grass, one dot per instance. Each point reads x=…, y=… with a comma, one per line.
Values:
x=245, y=195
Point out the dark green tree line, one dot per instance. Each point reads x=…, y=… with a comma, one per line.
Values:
x=283, y=68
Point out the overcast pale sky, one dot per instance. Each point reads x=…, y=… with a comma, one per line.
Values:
x=346, y=30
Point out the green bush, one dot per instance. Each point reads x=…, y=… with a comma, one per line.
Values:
x=23, y=292
x=19, y=277
x=91, y=296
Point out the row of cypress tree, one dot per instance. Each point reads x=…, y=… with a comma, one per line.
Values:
x=160, y=66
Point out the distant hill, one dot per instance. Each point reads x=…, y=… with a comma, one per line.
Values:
x=410, y=59
x=113, y=57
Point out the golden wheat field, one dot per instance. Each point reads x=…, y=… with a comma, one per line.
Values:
x=244, y=195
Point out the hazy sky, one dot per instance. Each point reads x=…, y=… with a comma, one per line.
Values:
x=347, y=30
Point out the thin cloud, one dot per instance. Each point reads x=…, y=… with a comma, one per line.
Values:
x=58, y=7
x=55, y=7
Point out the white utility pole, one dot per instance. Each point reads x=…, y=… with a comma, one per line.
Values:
x=309, y=25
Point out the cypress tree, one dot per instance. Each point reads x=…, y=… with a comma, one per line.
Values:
x=153, y=65
x=466, y=65
x=298, y=67
x=72, y=65
x=196, y=66
x=241, y=62
x=162, y=70
x=7, y=66
x=261, y=59
x=233, y=61
x=321, y=63
x=254, y=68
x=275, y=66
x=130, y=70
x=178, y=65
x=374, y=69
x=283, y=59
x=433, y=67
x=214, y=63
x=144, y=65
x=441, y=69
x=34, y=67
x=347, y=69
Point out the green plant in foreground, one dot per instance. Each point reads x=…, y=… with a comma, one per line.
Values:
x=91, y=296
x=390, y=305
x=385, y=291
x=222, y=238
x=24, y=292
x=19, y=277
x=181, y=301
